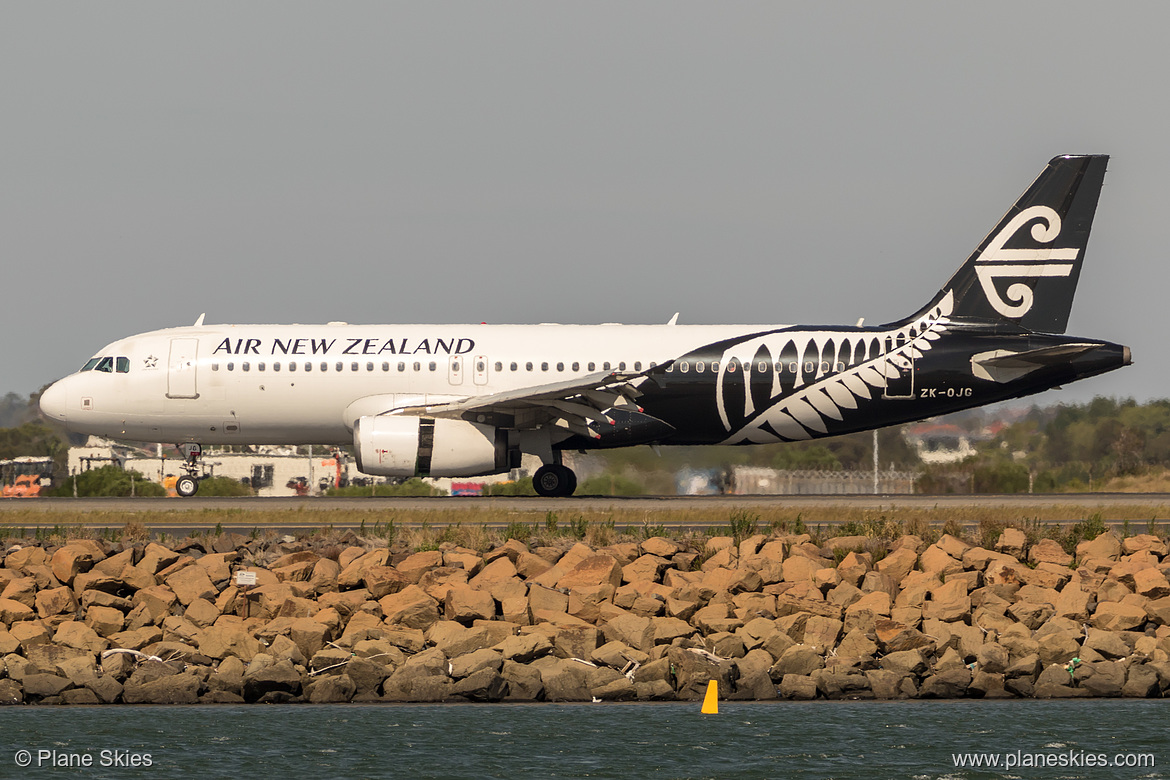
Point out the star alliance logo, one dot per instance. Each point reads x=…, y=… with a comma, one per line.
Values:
x=150, y=362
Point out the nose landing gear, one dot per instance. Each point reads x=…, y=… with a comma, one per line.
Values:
x=188, y=484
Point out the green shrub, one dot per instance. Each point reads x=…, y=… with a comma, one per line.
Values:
x=521, y=487
x=411, y=487
x=224, y=486
x=108, y=481
x=610, y=485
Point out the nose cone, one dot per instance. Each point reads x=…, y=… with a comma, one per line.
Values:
x=53, y=402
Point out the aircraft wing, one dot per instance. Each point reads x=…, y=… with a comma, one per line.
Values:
x=572, y=404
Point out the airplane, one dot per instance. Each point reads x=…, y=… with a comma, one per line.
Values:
x=468, y=400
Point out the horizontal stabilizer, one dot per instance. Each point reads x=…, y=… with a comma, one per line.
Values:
x=1002, y=365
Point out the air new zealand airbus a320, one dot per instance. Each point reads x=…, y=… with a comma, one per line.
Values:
x=464, y=400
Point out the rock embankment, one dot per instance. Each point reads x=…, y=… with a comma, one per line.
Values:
x=91, y=622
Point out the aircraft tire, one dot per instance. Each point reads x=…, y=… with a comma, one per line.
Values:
x=553, y=481
x=186, y=486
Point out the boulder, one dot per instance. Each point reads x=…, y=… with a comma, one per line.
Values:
x=1106, y=546
x=797, y=660
x=104, y=620
x=948, y=602
x=950, y=683
x=276, y=677
x=44, y=685
x=1012, y=542
x=1141, y=681
x=898, y=563
x=485, y=684
x=524, y=648
x=171, y=689
x=1118, y=616
x=594, y=570
x=332, y=689
x=465, y=604
x=411, y=607
x=799, y=687
x=56, y=601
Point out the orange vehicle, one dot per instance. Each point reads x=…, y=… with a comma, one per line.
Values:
x=25, y=477
x=26, y=486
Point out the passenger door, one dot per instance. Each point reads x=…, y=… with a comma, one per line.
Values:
x=181, y=369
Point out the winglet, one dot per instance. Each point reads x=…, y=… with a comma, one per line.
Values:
x=199, y=322
x=673, y=320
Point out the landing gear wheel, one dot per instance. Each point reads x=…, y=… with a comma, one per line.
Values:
x=553, y=481
x=186, y=485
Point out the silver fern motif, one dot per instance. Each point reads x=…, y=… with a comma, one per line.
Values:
x=821, y=391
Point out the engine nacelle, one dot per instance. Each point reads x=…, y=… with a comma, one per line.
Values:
x=393, y=446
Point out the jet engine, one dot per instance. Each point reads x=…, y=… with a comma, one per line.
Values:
x=393, y=446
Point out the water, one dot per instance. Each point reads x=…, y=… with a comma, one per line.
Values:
x=745, y=740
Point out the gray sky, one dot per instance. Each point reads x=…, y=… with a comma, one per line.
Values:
x=532, y=161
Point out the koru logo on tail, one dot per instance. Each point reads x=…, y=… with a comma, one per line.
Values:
x=996, y=262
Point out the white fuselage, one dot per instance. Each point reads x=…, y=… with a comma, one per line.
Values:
x=306, y=384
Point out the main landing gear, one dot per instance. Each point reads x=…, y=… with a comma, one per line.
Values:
x=554, y=481
x=188, y=484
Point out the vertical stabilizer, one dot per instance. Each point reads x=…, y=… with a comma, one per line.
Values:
x=1025, y=272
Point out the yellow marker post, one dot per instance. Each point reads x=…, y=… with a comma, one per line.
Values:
x=711, y=700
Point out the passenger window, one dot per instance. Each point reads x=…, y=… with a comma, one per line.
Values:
x=592, y=366
x=231, y=366
x=417, y=366
x=605, y=366
x=245, y=366
x=292, y=366
x=576, y=366
x=454, y=366
x=670, y=367
x=528, y=366
x=431, y=365
x=401, y=366
x=123, y=365
x=352, y=366
x=259, y=366
x=89, y=364
x=513, y=367
x=499, y=366
x=276, y=366
x=340, y=366
x=385, y=366
x=308, y=366
x=637, y=365
x=480, y=366
x=652, y=364
x=324, y=366
x=684, y=367
x=369, y=367
x=699, y=366
x=622, y=366
x=215, y=366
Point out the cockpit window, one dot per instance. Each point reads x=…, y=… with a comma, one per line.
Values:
x=108, y=365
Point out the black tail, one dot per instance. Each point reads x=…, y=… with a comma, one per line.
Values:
x=1025, y=272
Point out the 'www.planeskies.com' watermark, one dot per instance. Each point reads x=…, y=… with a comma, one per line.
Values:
x=1065, y=758
x=65, y=759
